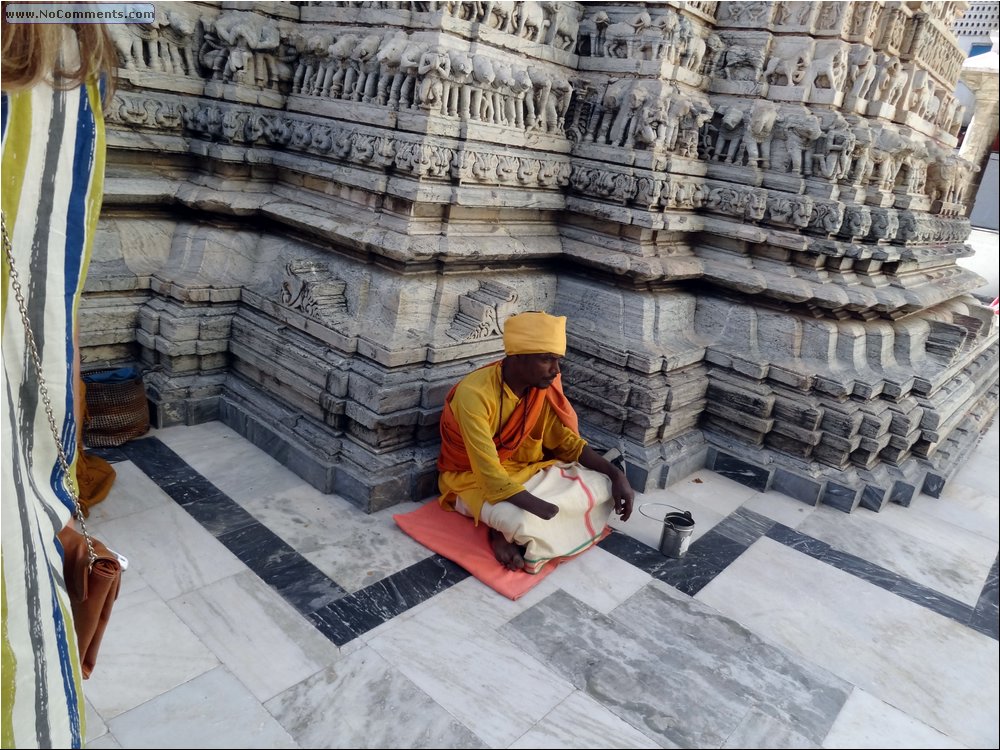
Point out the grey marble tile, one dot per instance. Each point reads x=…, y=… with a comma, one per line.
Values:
x=132, y=492
x=347, y=545
x=924, y=664
x=625, y=671
x=799, y=541
x=708, y=490
x=363, y=702
x=963, y=507
x=985, y=615
x=760, y=729
x=689, y=635
x=488, y=682
x=213, y=710
x=744, y=526
x=581, y=722
x=598, y=579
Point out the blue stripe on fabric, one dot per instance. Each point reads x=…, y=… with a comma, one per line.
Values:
x=66, y=661
x=4, y=116
x=76, y=239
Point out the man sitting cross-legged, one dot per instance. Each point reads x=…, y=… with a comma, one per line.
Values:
x=512, y=456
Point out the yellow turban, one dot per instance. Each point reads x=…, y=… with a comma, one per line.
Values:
x=535, y=333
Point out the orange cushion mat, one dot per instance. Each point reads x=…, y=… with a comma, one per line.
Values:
x=456, y=537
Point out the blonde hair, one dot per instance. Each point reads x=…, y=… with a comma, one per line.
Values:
x=31, y=54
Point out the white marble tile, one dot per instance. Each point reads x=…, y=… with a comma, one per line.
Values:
x=581, y=722
x=229, y=461
x=941, y=556
x=132, y=492
x=712, y=491
x=366, y=554
x=465, y=609
x=348, y=545
x=485, y=681
x=925, y=664
x=173, y=552
x=646, y=523
x=980, y=472
x=363, y=702
x=104, y=742
x=255, y=633
x=964, y=507
x=95, y=724
x=213, y=710
x=867, y=722
x=146, y=651
x=781, y=508
x=599, y=579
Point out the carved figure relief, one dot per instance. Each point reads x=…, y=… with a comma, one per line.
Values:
x=480, y=311
x=310, y=288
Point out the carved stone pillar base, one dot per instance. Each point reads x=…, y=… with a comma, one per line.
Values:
x=329, y=460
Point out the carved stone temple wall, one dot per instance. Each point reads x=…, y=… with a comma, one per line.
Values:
x=317, y=217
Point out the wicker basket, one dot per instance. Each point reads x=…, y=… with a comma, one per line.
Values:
x=116, y=413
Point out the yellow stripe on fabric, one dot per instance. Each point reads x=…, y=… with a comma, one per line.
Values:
x=8, y=663
x=12, y=168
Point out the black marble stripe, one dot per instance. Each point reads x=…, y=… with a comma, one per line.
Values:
x=982, y=618
x=280, y=566
x=342, y=617
x=111, y=455
x=711, y=554
x=798, y=541
x=355, y=614
x=986, y=617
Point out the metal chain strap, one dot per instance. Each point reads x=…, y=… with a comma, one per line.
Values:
x=15, y=284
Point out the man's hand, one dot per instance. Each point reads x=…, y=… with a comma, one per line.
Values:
x=533, y=504
x=623, y=494
x=621, y=490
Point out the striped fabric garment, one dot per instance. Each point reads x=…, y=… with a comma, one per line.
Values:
x=52, y=174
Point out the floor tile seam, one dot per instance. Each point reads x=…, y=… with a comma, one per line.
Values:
x=875, y=574
x=664, y=570
x=227, y=536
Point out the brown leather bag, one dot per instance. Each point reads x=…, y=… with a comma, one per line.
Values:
x=92, y=589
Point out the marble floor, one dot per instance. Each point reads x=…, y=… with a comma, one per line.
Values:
x=258, y=612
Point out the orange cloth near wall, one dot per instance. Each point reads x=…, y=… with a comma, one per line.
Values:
x=94, y=475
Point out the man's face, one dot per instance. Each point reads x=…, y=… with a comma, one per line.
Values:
x=538, y=370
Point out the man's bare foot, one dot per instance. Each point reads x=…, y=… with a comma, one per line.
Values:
x=508, y=554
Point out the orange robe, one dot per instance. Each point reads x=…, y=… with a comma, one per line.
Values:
x=489, y=449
